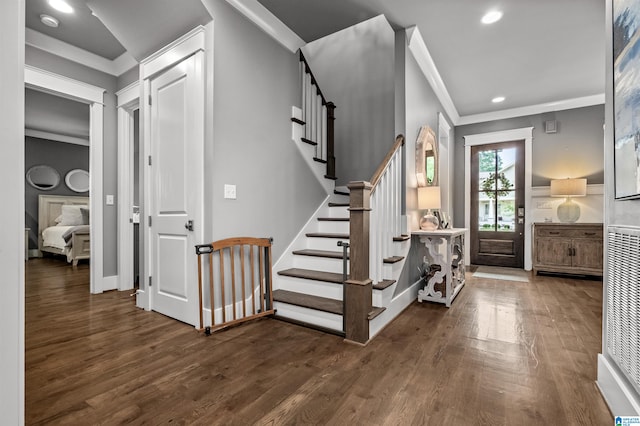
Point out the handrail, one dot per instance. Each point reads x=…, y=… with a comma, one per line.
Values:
x=313, y=78
x=385, y=162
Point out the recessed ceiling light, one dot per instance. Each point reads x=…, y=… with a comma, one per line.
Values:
x=498, y=99
x=61, y=6
x=49, y=21
x=491, y=17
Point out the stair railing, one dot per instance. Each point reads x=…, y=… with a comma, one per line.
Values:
x=318, y=116
x=375, y=218
x=386, y=209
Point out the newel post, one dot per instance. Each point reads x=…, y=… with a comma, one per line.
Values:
x=331, y=158
x=358, y=288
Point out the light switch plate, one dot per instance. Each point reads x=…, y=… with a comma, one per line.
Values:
x=230, y=192
x=109, y=200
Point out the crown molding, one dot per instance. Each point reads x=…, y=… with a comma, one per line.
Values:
x=532, y=109
x=72, y=53
x=269, y=23
x=41, y=134
x=421, y=54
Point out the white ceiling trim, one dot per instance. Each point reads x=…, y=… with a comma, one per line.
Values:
x=38, y=79
x=56, y=47
x=269, y=23
x=56, y=137
x=533, y=109
x=420, y=52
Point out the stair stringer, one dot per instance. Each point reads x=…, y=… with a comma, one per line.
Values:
x=309, y=152
x=394, y=304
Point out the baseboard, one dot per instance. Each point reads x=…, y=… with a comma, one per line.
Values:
x=110, y=283
x=621, y=398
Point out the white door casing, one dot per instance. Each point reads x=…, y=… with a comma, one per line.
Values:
x=173, y=135
x=526, y=134
x=66, y=87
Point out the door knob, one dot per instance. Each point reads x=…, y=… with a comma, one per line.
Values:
x=189, y=225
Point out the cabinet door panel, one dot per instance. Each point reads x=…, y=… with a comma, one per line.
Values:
x=553, y=252
x=588, y=254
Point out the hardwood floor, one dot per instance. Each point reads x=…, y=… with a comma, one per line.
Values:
x=505, y=353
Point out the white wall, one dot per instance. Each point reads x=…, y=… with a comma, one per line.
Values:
x=12, y=216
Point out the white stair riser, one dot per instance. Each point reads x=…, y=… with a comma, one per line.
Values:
x=338, y=212
x=311, y=316
x=319, y=263
x=324, y=243
x=333, y=227
x=311, y=287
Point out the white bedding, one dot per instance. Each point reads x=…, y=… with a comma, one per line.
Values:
x=52, y=237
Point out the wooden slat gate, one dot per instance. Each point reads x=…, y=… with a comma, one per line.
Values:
x=239, y=286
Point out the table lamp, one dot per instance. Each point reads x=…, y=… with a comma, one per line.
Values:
x=429, y=198
x=568, y=211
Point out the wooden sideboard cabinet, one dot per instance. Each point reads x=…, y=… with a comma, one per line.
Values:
x=572, y=248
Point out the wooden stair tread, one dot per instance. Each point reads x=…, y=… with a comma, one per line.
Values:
x=320, y=253
x=338, y=192
x=319, y=160
x=402, y=237
x=331, y=177
x=310, y=274
x=331, y=204
x=297, y=120
x=393, y=259
x=381, y=285
x=333, y=219
x=375, y=312
x=327, y=235
x=324, y=304
x=310, y=142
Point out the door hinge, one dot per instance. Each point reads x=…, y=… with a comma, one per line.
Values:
x=149, y=99
x=149, y=160
x=150, y=281
x=149, y=220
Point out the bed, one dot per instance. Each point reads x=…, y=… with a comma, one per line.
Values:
x=63, y=226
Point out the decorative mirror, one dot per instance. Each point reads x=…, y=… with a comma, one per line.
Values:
x=43, y=177
x=77, y=180
x=426, y=158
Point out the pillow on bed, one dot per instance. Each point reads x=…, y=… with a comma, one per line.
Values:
x=71, y=215
x=85, y=215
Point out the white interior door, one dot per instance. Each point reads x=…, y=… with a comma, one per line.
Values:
x=176, y=174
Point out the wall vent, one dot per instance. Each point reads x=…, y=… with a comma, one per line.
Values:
x=623, y=300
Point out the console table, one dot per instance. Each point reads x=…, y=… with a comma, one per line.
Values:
x=445, y=284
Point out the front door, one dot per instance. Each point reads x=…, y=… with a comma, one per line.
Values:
x=497, y=204
x=176, y=174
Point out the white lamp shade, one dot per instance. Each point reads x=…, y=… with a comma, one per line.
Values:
x=428, y=197
x=568, y=188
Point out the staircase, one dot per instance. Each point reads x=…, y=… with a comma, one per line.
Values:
x=309, y=281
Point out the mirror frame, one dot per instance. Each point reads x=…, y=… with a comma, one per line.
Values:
x=47, y=167
x=426, y=138
x=70, y=174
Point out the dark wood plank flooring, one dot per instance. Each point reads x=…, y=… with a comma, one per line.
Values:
x=506, y=353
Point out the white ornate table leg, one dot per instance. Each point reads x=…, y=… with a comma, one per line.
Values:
x=433, y=257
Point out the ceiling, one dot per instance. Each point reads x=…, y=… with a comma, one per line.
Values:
x=542, y=52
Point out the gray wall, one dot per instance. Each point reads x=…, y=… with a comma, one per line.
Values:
x=255, y=86
x=416, y=105
x=576, y=150
x=58, y=65
x=355, y=70
x=12, y=329
x=63, y=157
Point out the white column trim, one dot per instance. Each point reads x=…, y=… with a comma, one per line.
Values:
x=63, y=86
x=525, y=133
x=128, y=101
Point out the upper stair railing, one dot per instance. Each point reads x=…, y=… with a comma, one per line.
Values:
x=318, y=116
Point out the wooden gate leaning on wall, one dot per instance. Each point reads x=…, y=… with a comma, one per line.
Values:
x=239, y=283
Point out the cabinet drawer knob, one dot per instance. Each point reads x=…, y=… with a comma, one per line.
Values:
x=589, y=233
x=554, y=232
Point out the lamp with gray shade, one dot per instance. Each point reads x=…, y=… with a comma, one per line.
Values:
x=429, y=198
x=568, y=211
